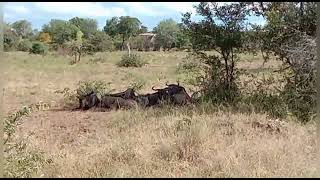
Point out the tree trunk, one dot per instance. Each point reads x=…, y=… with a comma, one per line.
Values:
x=122, y=45
x=79, y=55
x=75, y=57
x=128, y=46
x=301, y=15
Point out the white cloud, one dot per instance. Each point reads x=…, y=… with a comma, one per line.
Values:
x=181, y=7
x=90, y=9
x=16, y=9
x=142, y=8
x=156, y=9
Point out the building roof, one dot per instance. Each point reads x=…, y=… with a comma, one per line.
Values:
x=147, y=34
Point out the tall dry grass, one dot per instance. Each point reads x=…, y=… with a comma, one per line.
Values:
x=166, y=142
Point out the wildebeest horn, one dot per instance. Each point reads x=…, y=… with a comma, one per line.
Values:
x=155, y=89
x=178, y=83
x=167, y=84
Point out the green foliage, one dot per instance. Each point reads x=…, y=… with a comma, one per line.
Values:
x=23, y=28
x=111, y=27
x=39, y=48
x=139, y=43
x=226, y=39
x=10, y=38
x=301, y=100
x=61, y=31
x=143, y=29
x=128, y=26
x=25, y=45
x=290, y=35
x=261, y=102
x=86, y=25
x=138, y=84
x=123, y=29
x=131, y=61
x=84, y=87
x=167, y=32
x=18, y=161
x=98, y=42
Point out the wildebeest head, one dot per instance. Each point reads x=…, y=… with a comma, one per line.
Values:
x=90, y=100
x=177, y=89
x=174, y=88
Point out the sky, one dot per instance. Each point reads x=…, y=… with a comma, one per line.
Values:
x=149, y=13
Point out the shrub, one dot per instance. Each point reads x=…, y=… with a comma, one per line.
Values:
x=84, y=87
x=19, y=161
x=266, y=103
x=131, y=61
x=138, y=84
x=25, y=45
x=39, y=48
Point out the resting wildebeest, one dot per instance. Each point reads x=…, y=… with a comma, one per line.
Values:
x=111, y=102
x=127, y=94
x=178, y=94
x=88, y=101
x=154, y=98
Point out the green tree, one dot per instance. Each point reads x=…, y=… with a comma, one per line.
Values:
x=167, y=32
x=111, y=27
x=290, y=34
x=221, y=30
x=182, y=40
x=61, y=31
x=24, y=45
x=23, y=28
x=143, y=29
x=10, y=38
x=99, y=42
x=86, y=25
x=128, y=27
x=75, y=46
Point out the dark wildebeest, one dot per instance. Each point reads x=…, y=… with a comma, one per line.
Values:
x=111, y=102
x=127, y=94
x=88, y=101
x=178, y=94
x=154, y=98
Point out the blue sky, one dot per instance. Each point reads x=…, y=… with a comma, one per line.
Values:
x=149, y=13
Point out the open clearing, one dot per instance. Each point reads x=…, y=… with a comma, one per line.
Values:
x=184, y=142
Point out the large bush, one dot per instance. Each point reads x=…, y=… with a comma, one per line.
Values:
x=98, y=42
x=25, y=45
x=131, y=61
x=39, y=48
x=290, y=35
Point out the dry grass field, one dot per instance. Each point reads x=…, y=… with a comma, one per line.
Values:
x=170, y=142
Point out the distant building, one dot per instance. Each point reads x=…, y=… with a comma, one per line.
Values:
x=149, y=39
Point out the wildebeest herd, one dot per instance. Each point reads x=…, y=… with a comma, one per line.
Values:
x=173, y=94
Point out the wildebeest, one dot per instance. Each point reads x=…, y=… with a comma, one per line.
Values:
x=178, y=94
x=106, y=101
x=111, y=102
x=127, y=94
x=88, y=101
x=155, y=98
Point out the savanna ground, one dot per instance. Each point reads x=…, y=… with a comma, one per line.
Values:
x=170, y=142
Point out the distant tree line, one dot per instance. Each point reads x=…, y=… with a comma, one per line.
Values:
x=83, y=35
